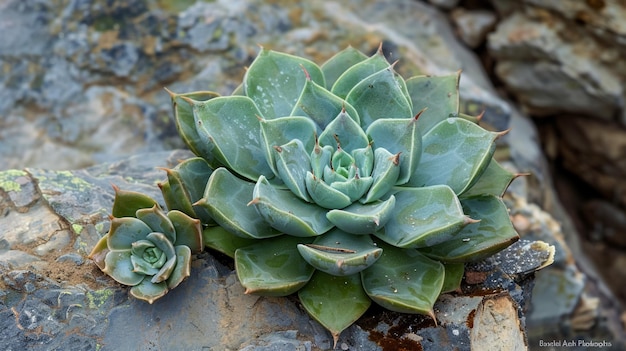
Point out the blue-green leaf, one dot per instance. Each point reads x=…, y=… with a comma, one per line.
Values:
x=231, y=123
x=275, y=80
x=279, y=131
x=423, y=217
x=439, y=96
x=226, y=198
x=292, y=165
x=273, y=267
x=363, y=219
x=493, y=233
x=346, y=131
x=288, y=214
x=339, y=63
x=404, y=281
x=335, y=302
x=455, y=153
x=339, y=253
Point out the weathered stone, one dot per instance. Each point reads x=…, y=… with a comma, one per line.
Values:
x=473, y=25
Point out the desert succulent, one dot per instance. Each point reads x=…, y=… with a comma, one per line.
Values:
x=146, y=248
x=344, y=183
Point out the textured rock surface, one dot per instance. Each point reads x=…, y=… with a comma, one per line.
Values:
x=52, y=296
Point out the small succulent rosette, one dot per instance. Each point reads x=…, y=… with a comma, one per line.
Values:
x=146, y=248
x=343, y=182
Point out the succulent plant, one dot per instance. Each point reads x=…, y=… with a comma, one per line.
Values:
x=342, y=182
x=146, y=248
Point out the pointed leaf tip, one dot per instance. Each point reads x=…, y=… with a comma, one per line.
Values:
x=172, y=94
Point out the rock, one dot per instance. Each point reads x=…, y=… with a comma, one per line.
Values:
x=59, y=300
x=473, y=25
x=562, y=56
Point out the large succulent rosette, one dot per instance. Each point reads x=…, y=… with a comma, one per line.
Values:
x=344, y=182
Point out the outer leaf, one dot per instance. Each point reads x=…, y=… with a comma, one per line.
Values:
x=117, y=264
x=455, y=153
x=226, y=198
x=125, y=231
x=285, y=212
x=274, y=81
x=399, y=136
x=453, y=277
x=379, y=96
x=185, y=185
x=273, y=267
x=335, y=302
x=148, y=291
x=232, y=125
x=98, y=253
x=183, y=267
x=280, y=131
x=494, y=181
x=188, y=231
x=292, y=165
x=438, y=95
x=339, y=253
x=359, y=72
x=127, y=202
x=321, y=106
x=339, y=63
x=404, y=281
x=347, y=131
x=363, y=219
x=423, y=217
x=218, y=238
x=493, y=233
x=186, y=126
x=157, y=221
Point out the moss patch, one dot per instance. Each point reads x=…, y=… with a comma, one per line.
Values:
x=8, y=180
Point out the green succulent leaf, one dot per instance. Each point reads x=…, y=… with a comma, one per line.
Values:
x=99, y=251
x=292, y=165
x=335, y=302
x=188, y=231
x=399, y=136
x=287, y=213
x=343, y=132
x=404, y=281
x=157, y=221
x=453, y=277
x=149, y=291
x=385, y=174
x=183, y=267
x=339, y=63
x=359, y=72
x=126, y=203
x=125, y=231
x=324, y=195
x=438, y=95
x=118, y=265
x=273, y=267
x=379, y=96
x=320, y=159
x=339, y=253
x=280, y=131
x=231, y=123
x=185, y=186
x=220, y=239
x=186, y=125
x=353, y=187
x=275, y=80
x=493, y=233
x=226, y=198
x=423, y=217
x=363, y=219
x=321, y=106
x=494, y=181
x=455, y=153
